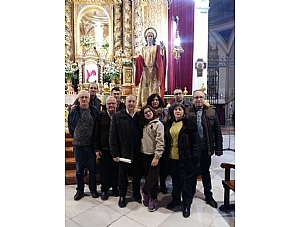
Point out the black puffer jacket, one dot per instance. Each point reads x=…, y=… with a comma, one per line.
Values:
x=121, y=134
x=188, y=147
x=213, y=139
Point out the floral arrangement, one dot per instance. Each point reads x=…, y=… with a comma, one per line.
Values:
x=71, y=70
x=111, y=71
x=126, y=61
x=86, y=41
x=105, y=44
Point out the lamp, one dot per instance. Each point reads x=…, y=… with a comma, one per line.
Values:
x=177, y=49
x=169, y=3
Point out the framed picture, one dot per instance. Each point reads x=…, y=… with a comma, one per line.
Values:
x=127, y=75
x=90, y=71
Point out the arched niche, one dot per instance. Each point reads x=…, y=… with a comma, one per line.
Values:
x=91, y=19
x=94, y=21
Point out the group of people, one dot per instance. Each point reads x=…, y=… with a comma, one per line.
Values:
x=153, y=142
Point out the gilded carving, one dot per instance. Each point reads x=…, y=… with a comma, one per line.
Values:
x=68, y=32
x=127, y=23
x=150, y=13
x=138, y=27
x=157, y=17
x=101, y=2
x=118, y=30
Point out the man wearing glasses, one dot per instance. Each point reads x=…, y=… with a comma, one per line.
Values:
x=211, y=140
x=179, y=97
x=117, y=94
x=81, y=123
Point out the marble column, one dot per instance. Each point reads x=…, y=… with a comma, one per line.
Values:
x=200, y=41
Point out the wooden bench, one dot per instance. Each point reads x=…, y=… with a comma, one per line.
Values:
x=228, y=185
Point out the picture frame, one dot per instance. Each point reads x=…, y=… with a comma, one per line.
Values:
x=127, y=75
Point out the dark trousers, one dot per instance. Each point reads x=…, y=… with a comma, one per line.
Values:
x=81, y=154
x=109, y=171
x=163, y=171
x=152, y=172
x=136, y=168
x=205, y=162
x=185, y=187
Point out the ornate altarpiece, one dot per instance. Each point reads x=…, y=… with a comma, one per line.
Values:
x=123, y=23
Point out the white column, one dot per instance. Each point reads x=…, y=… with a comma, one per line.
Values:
x=200, y=41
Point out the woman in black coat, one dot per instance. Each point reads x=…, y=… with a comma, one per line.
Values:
x=183, y=151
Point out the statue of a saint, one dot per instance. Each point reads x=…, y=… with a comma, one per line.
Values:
x=150, y=68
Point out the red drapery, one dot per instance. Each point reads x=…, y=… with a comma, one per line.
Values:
x=180, y=74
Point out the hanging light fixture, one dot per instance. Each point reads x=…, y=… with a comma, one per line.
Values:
x=169, y=3
x=177, y=49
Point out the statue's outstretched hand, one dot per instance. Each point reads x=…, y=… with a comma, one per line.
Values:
x=162, y=45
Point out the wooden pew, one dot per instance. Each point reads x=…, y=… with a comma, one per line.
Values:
x=228, y=185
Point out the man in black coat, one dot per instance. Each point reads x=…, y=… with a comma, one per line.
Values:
x=211, y=139
x=125, y=142
x=109, y=169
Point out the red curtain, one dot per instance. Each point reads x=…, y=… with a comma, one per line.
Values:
x=180, y=73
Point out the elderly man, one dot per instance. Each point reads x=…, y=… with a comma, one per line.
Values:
x=93, y=90
x=125, y=142
x=210, y=134
x=109, y=169
x=115, y=91
x=81, y=123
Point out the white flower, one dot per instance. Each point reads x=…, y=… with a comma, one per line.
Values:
x=86, y=40
x=70, y=69
x=111, y=71
x=126, y=61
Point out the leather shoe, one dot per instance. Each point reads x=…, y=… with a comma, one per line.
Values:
x=210, y=200
x=94, y=194
x=186, y=212
x=122, y=202
x=104, y=195
x=172, y=204
x=78, y=195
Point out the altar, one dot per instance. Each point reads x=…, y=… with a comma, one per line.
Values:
x=103, y=38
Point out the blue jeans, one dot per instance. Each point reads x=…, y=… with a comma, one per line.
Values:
x=81, y=154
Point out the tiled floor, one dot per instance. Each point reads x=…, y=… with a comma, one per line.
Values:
x=90, y=212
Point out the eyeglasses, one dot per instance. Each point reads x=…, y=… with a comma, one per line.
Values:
x=177, y=93
x=84, y=97
x=148, y=111
x=199, y=97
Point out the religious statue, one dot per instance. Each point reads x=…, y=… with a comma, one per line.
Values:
x=150, y=68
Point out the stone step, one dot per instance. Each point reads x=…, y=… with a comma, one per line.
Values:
x=70, y=178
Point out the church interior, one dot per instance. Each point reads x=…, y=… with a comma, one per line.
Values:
x=103, y=39
x=103, y=42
